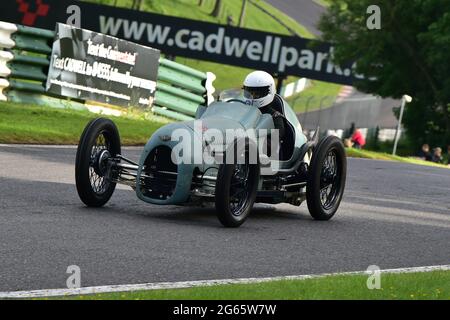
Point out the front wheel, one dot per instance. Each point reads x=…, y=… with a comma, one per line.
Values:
x=236, y=188
x=98, y=143
x=326, y=178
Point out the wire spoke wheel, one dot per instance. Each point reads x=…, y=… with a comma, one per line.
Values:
x=99, y=142
x=326, y=178
x=239, y=189
x=236, y=187
x=99, y=181
x=329, y=180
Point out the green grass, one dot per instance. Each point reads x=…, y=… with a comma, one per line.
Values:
x=404, y=286
x=33, y=124
x=323, y=3
x=42, y=125
x=318, y=93
x=255, y=18
x=356, y=153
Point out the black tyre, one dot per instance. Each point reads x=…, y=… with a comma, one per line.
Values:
x=236, y=188
x=326, y=178
x=100, y=140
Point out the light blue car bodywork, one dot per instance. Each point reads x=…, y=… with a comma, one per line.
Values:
x=221, y=116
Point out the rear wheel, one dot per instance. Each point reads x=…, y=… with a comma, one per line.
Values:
x=98, y=143
x=236, y=189
x=326, y=178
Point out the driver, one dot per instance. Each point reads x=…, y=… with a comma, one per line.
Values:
x=259, y=91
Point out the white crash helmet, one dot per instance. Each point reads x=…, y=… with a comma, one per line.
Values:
x=259, y=89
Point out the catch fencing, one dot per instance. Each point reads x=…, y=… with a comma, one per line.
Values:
x=374, y=115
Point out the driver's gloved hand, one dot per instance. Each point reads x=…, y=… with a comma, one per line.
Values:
x=278, y=121
x=277, y=114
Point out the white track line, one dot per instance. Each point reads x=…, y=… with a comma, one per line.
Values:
x=42, y=146
x=57, y=146
x=192, y=284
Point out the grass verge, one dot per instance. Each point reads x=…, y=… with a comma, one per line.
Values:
x=356, y=153
x=402, y=286
x=32, y=124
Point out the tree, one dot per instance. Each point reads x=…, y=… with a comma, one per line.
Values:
x=217, y=9
x=409, y=54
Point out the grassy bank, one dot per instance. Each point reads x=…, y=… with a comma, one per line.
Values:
x=318, y=94
x=355, y=153
x=39, y=125
x=405, y=286
x=255, y=18
x=323, y=3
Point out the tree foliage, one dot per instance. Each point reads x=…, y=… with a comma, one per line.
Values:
x=410, y=54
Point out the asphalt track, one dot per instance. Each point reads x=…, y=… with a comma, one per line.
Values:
x=393, y=215
x=307, y=12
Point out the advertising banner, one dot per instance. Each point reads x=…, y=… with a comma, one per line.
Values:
x=92, y=66
x=274, y=53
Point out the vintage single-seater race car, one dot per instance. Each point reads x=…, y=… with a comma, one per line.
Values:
x=305, y=169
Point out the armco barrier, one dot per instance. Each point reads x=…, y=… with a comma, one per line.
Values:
x=181, y=89
x=25, y=59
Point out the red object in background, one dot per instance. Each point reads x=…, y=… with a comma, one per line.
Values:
x=358, y=138
x=29, y=17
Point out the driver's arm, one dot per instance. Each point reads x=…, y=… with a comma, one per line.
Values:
x=279, y=123
x=278, y=120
